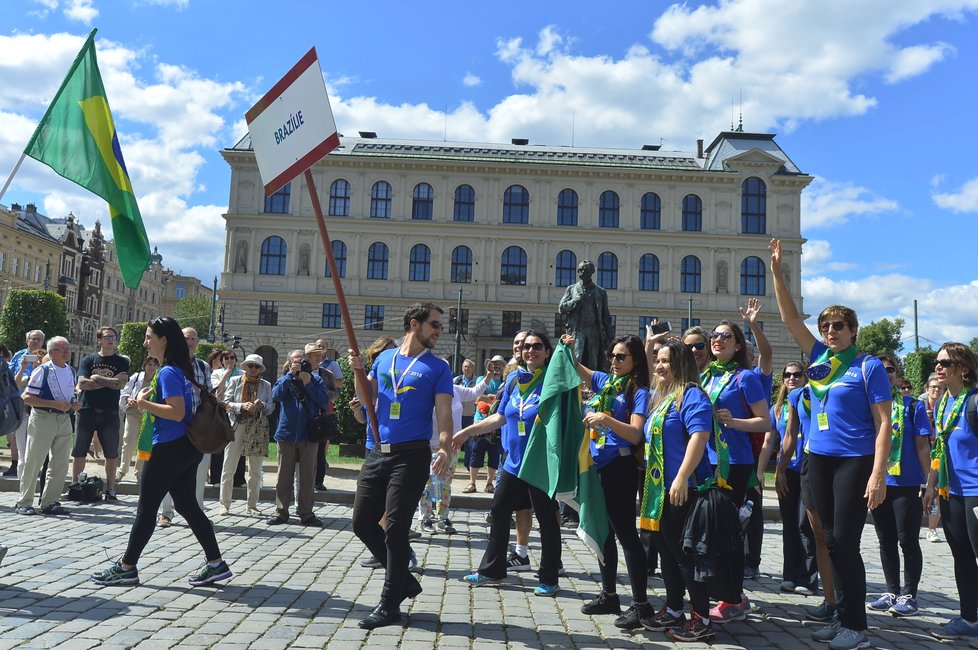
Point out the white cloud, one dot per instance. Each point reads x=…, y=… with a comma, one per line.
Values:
x=470, y=80
x=915, y=60
x=815, y=253
x=831, y=203
x=964, y=200
x=46, y=7
x=81, y=11
x=549, y=40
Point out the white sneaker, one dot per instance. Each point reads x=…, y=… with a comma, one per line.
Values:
x=223, y=511
x=932, y=535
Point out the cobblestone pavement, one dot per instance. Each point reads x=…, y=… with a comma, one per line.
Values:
x=304, y=588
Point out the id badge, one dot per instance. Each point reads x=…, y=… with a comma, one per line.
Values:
x=395, y=411
x=823, y=421
x=521, y=427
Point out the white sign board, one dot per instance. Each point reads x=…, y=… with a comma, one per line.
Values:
x=292, y=126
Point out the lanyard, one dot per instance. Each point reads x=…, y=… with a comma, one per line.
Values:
x=397, y=384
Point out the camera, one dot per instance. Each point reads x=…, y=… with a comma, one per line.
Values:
x=305, y=366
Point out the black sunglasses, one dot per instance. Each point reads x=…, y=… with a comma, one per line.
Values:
x=890, y=370
x=723, y=336
x=835, y=326
x=945, y=363
x=696, y=346
x=533, y=346
x=620, y=358
x=794, y=375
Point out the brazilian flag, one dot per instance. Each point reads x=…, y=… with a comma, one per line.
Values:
x=77, y=139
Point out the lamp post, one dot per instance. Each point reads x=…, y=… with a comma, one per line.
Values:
x=47, y=274
x=457, y=370
x=210, y=333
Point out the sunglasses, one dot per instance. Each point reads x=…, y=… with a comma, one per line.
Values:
x=108, y=337
x=835, y=326
x=933, y=388
x=250, y=366
x=532, y=346
x=620, y=358
x=794, y=375
x=723, y=336
x=906, y=388
x=696, y=346
x=945, y=363
x=890, y=370
x=437, y=324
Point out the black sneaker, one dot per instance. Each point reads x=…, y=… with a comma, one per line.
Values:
x=320, y=487
x=55, y=509
x=518, y=563
x=560, y=570
x=116, y=575
x=603, y=604
x=663, y=620
x=445, y=526
x=694, y=630
x=635, y=617
x=210, y=574
x=428, y=526
x=110, y=495
x=11, y=472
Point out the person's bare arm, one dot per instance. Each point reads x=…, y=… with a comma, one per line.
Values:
x=786, y=304
x=876, y=487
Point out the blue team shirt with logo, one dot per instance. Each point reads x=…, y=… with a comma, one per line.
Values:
x=695, y=414
x=509, y=405
x=740, y=392
x=962, y=455
x=621, y=412
x=800, y=401
x=429, y=376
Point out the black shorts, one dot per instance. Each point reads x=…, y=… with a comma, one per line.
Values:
x=87, y=423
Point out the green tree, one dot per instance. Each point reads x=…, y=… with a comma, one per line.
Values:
x=917, y=367
x=974, y=345
x=131, y=344
x=204, y=349
x=350, y=430
x=26, y=310
x=881, y=337
x=195, y=312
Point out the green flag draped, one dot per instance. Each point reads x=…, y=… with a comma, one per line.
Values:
x=77, y=139
x=558, y=458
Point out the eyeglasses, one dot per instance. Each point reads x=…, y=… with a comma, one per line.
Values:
x=696, y=346
x=251, y=366
x=835, y=326
x=794, y=375
x=108, y=337
x=946, y=363
x=532, y=346
x=620, y=358
x=58, y=350
x=723, y=336
x=435, y=323
x=890, y=370
x=933, y=388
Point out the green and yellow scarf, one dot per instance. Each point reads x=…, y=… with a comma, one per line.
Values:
x=725, y=373
x=896, y=447
x=654, y=495
x=943, y=428
x=828, y=369
x=145, y=444
x=602, y=401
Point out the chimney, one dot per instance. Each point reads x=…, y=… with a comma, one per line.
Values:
x=699, y=148
x=368, y=135
x=31, y=208
x=522, y=142
x=15, y=207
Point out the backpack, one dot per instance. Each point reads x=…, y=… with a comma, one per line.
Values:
x=11, y=403
x=210, y=428
x=971, y=412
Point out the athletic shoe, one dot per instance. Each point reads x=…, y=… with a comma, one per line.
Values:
x=729, y=612
x=823, y=613
x=603, y=604
x=477, y=580
x=55, y=509
x=413, y=534
x=848, y=639
x=546, y=590
x=110, y=495
x=932, y=536
x=788, y=587
x=956, y=628
x=413, y=565
x=518, y=563
x=428, y=526
x=320, y=487
x=883, y=603
x=663, y=620
x=635, y=617
x=560, y=571
x=802, y=590
x=116, y=575
x=11, y=472
x=3, y=552
x=827, y=633
x=210, y=574
x=445, y=526
x=370, y=563
x=695, y=629
x=312, y=521
x=750, y=573
x=904, y=606
x=25, y=510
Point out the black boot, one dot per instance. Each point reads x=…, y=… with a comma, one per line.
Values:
x=380, y=617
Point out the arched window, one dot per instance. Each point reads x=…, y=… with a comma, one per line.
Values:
x=567, y=208
x=339, y=198
x=423, y=200
x=516, y=205
x=269, y=357
x=339, y=254
x=692, y=213
x=512, y=269
x=608, y=270
x=462, y=264
x=753, y=277
x=464, y=203
x=648, y=273
x=278, y=203
x=651, y=216
x=377, y=257
x=753, y=206
x=566, y=268
x=690, y=272
x=608, y=206
x=273, y=254
x=419, y=269
x=380, y=200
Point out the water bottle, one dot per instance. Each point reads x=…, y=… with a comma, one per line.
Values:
x=598, y=432
x=437, y=487
x=745, y=512
x=82, y=477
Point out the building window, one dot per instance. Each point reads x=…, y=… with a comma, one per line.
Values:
x=278, y=203
x=686, y=324
x=565, y=268
x=516, y=205
x=692, y=213
x=453, y=322
x=511, y=323
x=339, y=255
x=749, y=333
x=608, y=206
x=643, y=322
x=268, y=312
x=559, y=324
x=339, y=198
x=331, y=316
x=423, y=200
x=419, y=268
x=689, y=274
x=464, y=203
x=377, y=257
x=380, y=200
x=373, y=317
x=462, y=264
x=273, y=254
x=513, y=266
x=648, y=273
x=567, y=208
x=651, y=215
x=753, y=206
x=753, y=275
x=3, y=261
x=608, y=270
x=181, y=290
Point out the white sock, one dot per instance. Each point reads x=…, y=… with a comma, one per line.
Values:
x=673, y=612
x=522, y=550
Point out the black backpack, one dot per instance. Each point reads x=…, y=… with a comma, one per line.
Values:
x=11, y=404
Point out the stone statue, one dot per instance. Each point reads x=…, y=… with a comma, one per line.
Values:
x=303, y=259
x=721, y=277
x=586, y=316
x=241, y=259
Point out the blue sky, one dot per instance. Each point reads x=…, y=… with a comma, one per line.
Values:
x=874, y=99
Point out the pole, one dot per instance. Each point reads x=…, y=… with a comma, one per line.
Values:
x=458, y=334
x=916, y=334
x=340, y=297
x=210, y=333
x=689, y=315
x=12, y=174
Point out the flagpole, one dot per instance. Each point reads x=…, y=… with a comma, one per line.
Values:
x=341, y=297
x=12, y=174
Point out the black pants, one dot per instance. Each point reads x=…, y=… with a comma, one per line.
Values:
x=730, y=593
x=676, y=566
x=391, y=483
x=897, y=522
x=754, y=535
x=512, y=494
x=619, y=479
x=961, y=531
x=838, y=485
x=321, y=463
x=798, y=540
x=172, y=467
x=216, y=467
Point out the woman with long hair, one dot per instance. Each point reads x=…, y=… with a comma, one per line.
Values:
x=697, y=340
x=168, y=406
x=615, y=418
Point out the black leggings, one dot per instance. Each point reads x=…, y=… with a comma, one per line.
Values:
x=897, y=521
x=731, y=592
x=838, y=485
x=800, y=564
x=619, y=479
x=172, y=467
x=961, y=531
x=676, y=566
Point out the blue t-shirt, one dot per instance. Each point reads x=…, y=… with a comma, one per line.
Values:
x=800, y=401
x=695, y=414
x=740, y=392
x=915, y=425
x=850, y=420
x=429, y=376
x=767, y=381
x=962, y=455
x=171, y=382
x=621, y=412
x=510, y=402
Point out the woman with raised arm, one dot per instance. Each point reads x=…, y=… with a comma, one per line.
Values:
x=848, y=443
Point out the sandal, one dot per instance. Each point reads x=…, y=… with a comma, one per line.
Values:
x=490, y=488
x=163, y=521
x=469, y=489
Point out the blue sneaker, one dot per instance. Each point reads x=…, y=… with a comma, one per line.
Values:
x=546, y=590
x=883, y=603
x=476, y=580
x=904, y=606
x=956, y=628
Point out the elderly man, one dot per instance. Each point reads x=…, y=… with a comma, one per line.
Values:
x=50, y=393
x=22, y=364
x=316, y=354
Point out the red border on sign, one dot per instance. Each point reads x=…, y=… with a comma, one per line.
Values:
x=307, y=60
x=302, y=164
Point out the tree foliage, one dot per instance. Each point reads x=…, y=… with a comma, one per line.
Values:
x=350, y=430
x=204, y=349
x=973, y=344
x=881, y=337
x=917, y=367
x=26, y=310
x=195, y=312
x=131, y=344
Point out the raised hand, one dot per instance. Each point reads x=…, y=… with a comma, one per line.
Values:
x=753, y=310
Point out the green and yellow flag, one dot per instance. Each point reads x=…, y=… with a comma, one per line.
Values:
x=77, y=139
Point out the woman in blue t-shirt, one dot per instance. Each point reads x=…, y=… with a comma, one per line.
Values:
x=848, y=445
x=167, y=404
x=518, y=405
x=615, y=418
x=954, y=480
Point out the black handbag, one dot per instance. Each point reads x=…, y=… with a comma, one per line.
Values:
x=210, y=428
x=322, y=427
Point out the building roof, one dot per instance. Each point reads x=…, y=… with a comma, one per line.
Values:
x=33, y=223
x=730, y=144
